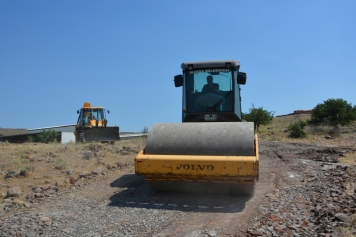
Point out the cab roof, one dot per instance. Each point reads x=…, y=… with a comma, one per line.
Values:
x=210, y=64
x=87, y=105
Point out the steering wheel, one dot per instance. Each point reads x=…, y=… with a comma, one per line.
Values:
x=208, y=100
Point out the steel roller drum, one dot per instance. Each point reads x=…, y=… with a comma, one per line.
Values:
x=204, y=138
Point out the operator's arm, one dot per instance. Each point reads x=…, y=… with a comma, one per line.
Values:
x=204, y=90
x=216, y=87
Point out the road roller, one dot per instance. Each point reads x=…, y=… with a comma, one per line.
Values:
x=213, y=150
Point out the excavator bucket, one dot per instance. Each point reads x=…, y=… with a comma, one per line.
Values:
x=98, y=134
x=217, y=157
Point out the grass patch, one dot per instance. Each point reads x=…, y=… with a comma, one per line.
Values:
x=49, y=163
x=278, y=130
x=15, y=163
x=60, y=164
x=350, y=158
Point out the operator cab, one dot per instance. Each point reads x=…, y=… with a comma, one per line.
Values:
x=91, y=117
x=211, y=91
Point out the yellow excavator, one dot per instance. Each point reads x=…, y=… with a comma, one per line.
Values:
x=91, y=125
x=213, y=150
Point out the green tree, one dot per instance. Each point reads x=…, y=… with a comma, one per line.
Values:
x=296, y=129
x=31, y=139
x=302, y=124
x=47, y=136
x=259, y=116
x=333, y=112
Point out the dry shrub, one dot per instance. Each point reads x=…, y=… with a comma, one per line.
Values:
x=317, y=130
x=60, y=164
x=334, y=131
x=346, y=231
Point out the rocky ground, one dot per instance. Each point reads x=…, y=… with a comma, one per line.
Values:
x=318, y=199
x=302, y=191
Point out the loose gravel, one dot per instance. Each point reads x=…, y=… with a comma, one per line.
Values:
x=302, y=191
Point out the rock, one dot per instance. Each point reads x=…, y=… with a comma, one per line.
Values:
x=88, y=155
x=59, y=183
x=46, y=187
x=23, y=173
x=45, y=219
x=256, y=233
x=124, y=153
x=72, y=180
x=342, y=217
x=210, y=233
x=279, y=228
x=55, y=188
x=294, y=227
x=11, y=174
x=84, y=174
x=14, y=192
x=48, y=223
x=30, y=196
x=7, y=200
x=51, y=191
x=32, y=159
x=70, y=171
x=37, y=190
x=38, y=195
x=16, y=201
x=97, y=171
x=120, y=165
x=127, y=148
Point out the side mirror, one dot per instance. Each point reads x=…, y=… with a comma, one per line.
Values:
x=77, y=111
x=178, y=81
x=108, y=111
x=241, y=78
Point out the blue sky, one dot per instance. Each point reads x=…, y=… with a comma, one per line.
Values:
x=123, y=55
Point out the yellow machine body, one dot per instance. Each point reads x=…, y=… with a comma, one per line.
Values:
x=213, y=150
x=199, y=168
x=91, y=125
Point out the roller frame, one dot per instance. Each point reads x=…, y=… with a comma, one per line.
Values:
x=229, y=172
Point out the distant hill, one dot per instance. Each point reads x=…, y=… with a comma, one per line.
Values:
x=12, y=131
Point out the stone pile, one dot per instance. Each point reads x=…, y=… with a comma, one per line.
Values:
x=39, y=194
x=323, y=202
x=323, y=155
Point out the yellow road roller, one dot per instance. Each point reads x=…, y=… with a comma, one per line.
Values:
x=212, y=150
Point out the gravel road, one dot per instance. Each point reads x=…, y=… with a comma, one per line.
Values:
x=301, y=192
